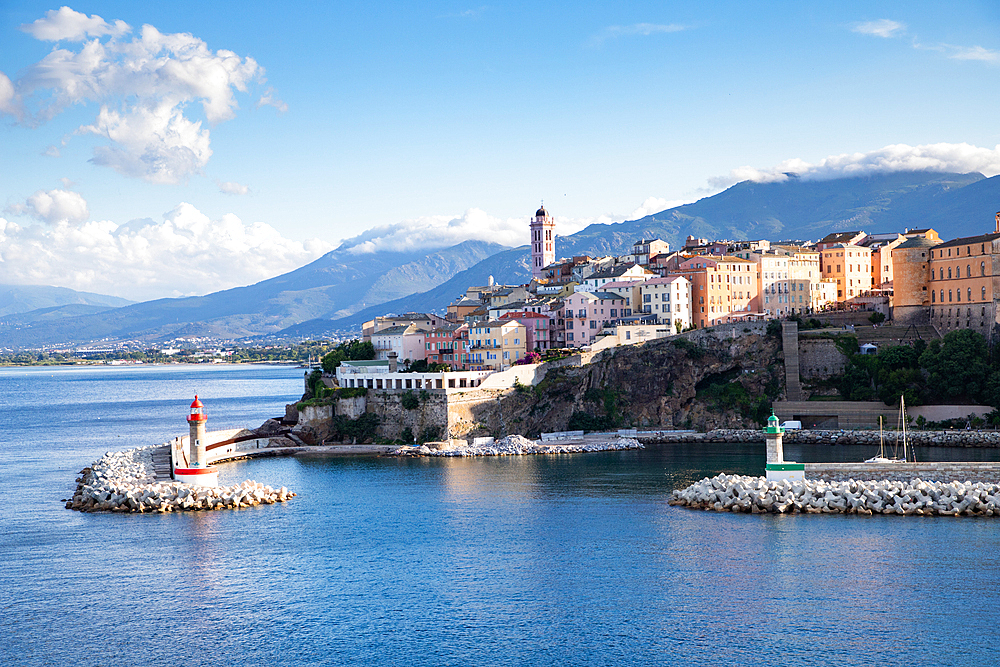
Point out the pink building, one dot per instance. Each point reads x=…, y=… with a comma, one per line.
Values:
x=586, y=313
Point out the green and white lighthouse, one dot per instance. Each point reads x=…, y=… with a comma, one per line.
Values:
x=777, y=468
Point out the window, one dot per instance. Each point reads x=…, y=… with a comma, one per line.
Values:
x=942, y=296
x=593, y=324
x=982, y=268
x=969, y=295
x=968, y=270
x=933, y=293
x=949, y=272
x=958, y=294
x=949, y=300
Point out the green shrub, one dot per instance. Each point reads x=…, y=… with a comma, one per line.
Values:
x=410, y=401
x=406, y=435
x=429, y=434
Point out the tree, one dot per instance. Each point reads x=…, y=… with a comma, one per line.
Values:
x=352, y=350
x=876, y=317
x=957, y=366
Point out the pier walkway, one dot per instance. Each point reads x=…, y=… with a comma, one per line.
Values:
x=161, y=463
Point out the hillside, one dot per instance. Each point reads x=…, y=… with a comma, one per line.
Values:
x=344, y=288
x=335, y=284
x=18, y=299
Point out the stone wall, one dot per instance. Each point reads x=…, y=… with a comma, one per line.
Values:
x=352, y=408
x=394, y=418
x=819, y=359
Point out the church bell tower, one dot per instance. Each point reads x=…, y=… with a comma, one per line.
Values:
x=543, y=242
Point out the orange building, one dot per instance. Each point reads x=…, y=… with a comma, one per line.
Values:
x=723, y=289
x=962, y=285
x=850, y=266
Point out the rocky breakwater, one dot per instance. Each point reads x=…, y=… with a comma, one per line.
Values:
x=737, y=493
x=834, y=437
x=125, y=482
x=514, y=445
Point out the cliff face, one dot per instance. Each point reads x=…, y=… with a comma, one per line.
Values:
x=700, y=382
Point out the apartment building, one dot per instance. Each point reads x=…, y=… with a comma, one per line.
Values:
x=850, y=266
x=669, y=299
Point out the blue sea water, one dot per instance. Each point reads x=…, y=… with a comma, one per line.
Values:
x=573, y=560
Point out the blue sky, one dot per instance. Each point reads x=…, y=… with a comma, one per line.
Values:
x=445, y=121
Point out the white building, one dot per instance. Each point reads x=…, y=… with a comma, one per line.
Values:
x=669, y=299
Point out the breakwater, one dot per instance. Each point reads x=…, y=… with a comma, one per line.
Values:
x=126, y=482
x=832, y=437
x=737, y=493
x=514, y=445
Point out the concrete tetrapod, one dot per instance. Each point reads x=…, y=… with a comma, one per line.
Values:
x=737, y=493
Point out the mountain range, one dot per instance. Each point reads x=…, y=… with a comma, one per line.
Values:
x=345, y=287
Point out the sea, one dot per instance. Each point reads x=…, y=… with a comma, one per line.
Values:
x=536, y=560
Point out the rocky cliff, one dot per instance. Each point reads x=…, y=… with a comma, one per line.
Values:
x=692, y=381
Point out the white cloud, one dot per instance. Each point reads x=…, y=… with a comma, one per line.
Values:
x=146, y=86
x=64, y=23
x=881, y=28
x=269, y=100
x=960, y=158
x=655, y=205
x=433, y=232
x=52, y=151
x=232, y=188
x=186, y=253
x=158, y=145
x=53, y=207
x=973, y=53
x=9, y=102
x=642, y=29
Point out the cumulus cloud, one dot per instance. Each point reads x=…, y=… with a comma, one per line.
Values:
x=146, y=86
x=961, y=158
x=186, y=253
x=66, y=24
x=884, y=28
x=232, y=188
x=53, y=207
x=433, y=232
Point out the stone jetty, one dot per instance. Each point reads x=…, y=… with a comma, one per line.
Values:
x=127, y=482
x=514, y=445
x=738, y=493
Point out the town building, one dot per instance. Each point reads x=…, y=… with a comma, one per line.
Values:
x=723, y=289
x=836, y=238
x=850, y=266
x=645, y=251
x=422, y=321
x=496, y=345
x=617, y=273
x=407, y=341
x=668, y=299
x=586, y=313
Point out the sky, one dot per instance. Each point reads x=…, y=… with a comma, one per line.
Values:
x=165, y=149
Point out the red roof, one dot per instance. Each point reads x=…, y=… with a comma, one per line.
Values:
x=197, y=403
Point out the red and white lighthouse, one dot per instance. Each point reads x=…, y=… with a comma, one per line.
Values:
x=198, y=472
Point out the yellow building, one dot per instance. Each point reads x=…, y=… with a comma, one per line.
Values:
x=850, y=266
x=497, y=344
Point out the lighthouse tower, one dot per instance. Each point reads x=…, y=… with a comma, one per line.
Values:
x=776, y=468
x=543, y=242
x=198, y=472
